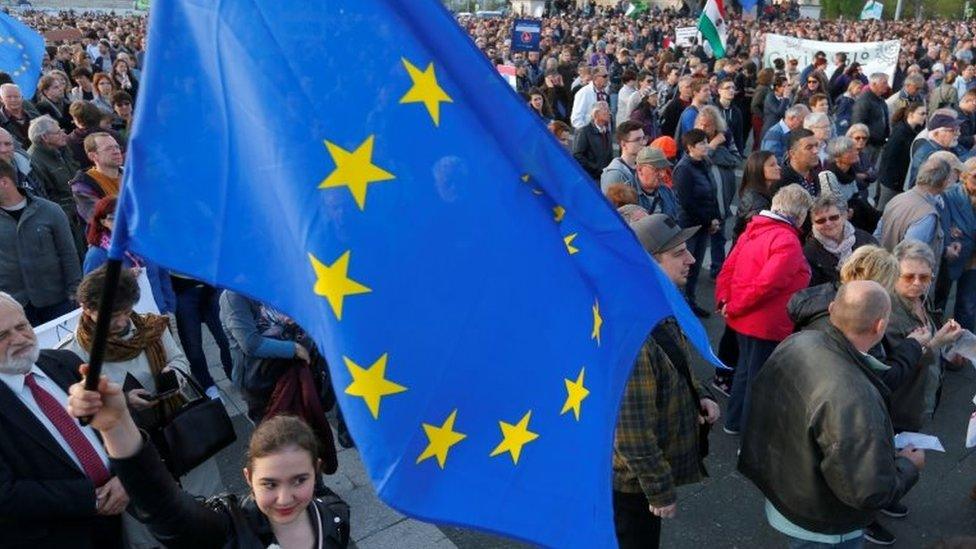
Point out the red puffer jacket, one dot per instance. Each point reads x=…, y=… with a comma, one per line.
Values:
x=763, y=271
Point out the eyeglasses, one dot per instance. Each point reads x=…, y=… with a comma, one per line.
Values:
x=920, y=278
x=823, y=220
x=860, y=138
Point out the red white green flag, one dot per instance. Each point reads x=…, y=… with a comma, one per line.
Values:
x=711, y=25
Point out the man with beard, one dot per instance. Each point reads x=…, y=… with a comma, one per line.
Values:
x=55, y=486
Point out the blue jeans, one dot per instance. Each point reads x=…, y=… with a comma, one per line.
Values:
x=197, y=305
x=753, y=353
x=796, y=543
x=697, y=245
x=965, y=312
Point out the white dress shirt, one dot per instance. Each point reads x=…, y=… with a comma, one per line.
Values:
x=23, y=392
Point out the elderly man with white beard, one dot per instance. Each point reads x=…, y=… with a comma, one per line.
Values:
x=56, y=489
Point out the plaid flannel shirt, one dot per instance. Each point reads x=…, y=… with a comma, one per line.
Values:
x=656, y=441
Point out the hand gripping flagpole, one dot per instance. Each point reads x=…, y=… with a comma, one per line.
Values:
x=113, y=270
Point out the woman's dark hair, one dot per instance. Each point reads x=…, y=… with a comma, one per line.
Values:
x=281, y=433
x=103, y=208
x=754, y=174
x=902, y=113
x=121, y=97
x=765, y=77
x=92, y=287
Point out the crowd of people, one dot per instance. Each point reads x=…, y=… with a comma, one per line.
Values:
x=835, y=211
x=840, y=243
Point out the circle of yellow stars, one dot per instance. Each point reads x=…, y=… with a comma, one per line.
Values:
x=355, y=170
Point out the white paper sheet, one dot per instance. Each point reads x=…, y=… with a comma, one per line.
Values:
x=920, y=441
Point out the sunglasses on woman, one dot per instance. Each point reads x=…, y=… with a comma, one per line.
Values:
x=823, y=220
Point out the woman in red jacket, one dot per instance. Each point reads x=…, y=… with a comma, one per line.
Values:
x=763, y=271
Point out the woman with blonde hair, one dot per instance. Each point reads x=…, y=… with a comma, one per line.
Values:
x=808, y=307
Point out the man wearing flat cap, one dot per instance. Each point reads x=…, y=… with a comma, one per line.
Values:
x=943, y=135
x=658, y=443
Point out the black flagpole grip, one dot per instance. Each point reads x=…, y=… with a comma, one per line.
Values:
x=113, y=270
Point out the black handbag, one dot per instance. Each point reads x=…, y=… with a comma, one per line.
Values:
x=197, y=431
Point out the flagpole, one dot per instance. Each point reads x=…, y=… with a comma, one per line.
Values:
x=106, y=305
x=113, y=270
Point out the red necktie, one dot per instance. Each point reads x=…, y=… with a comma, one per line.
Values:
x=70, y=431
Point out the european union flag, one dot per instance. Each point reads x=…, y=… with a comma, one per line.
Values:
x=361, y=166
x=21, y=53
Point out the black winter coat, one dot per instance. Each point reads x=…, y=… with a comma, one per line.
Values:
x=808, y=311
x=872, y=111
x=896, y=156
x=818, y=441
x=177, y=520
x=696, y=191
x=750, y=203
x=823, y=264
x=593, y=150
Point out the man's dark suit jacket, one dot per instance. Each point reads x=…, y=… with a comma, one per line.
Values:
x=45, y=499
x=592, y=149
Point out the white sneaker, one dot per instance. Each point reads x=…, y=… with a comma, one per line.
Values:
x=212, y=392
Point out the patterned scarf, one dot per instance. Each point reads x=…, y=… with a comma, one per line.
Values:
x=109, y=185
x=842, y=249
x=148, y=338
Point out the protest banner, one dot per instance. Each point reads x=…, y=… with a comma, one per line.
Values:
x=873, y=56
x=685, y=36
x=526, y=34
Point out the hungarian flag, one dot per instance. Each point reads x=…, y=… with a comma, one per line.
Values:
x=711, y=25
x=636, y=8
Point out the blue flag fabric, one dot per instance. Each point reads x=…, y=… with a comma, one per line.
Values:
x=360, y=166
x=21, y=53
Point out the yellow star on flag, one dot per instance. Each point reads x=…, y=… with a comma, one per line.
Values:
x=597, y=322
x=440, y=439
x=558, y=213
x=514, y=437
x=354, y=170
x=334, y=283
x=371, y=383
x=525, y=178
x=575, y=394
x=569, y=244
x=425, y=90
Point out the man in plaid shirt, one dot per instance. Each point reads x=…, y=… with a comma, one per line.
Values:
x=656, y=444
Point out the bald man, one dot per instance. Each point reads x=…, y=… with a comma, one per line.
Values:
x=819, y=442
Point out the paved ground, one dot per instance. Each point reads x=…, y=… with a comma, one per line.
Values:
x=723, y=511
